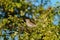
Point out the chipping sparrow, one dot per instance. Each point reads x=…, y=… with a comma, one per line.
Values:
x=29, y=23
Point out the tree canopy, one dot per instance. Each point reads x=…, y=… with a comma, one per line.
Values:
x=14, y=13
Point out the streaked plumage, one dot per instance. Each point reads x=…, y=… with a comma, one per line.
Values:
x=29, y=23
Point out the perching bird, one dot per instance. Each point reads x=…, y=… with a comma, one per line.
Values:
x=29, y=23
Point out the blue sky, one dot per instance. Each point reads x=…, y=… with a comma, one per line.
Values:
x=52, y=3
x=56, y=19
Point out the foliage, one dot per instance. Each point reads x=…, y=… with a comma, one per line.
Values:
x=15, y=13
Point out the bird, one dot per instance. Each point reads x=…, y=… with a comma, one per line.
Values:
x=29, y=23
